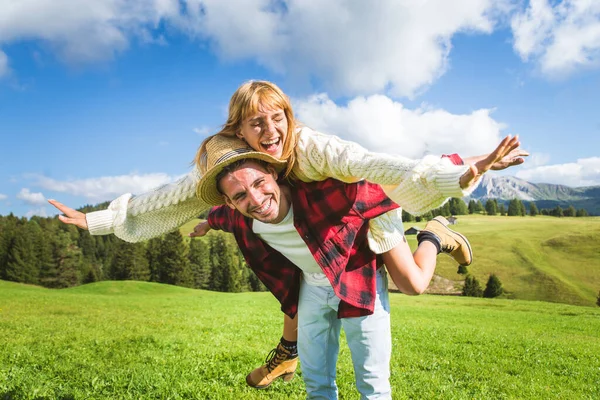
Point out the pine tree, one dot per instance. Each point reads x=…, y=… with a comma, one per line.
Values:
x=581, y=213
x=493, y=287
x=490, y=207
x=130, y=262
x=173, y=264
x=479, y=207
x=472, y=287
x=152, y=255
x=514, y=207
x=7, y=237
x=472, y=206
x=569, y=212
x=462, y=270
x=67, y=259
x=557, y=211
x=199, y=255
x=407, y=217
x=21, y=263
x=457, y=207
x=502, y=209
x=533, y=210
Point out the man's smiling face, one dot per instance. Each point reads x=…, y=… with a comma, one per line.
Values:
x=253, y=190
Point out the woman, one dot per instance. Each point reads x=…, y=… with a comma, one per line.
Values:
x=261, y=114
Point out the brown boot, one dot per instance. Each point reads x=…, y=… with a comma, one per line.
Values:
x=279, y=363
x=451, y=242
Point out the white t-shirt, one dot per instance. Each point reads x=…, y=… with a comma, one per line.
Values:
x=284, y=238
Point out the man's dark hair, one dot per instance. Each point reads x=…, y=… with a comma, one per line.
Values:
x=234, y=166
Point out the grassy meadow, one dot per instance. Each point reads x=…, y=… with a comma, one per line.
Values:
x=134, y=340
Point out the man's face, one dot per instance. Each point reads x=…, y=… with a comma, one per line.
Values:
x=253, y=190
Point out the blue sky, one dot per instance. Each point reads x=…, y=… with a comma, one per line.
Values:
x=104, y=97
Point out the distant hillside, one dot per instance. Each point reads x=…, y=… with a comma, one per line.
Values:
x=536, y=258
x=545, y=195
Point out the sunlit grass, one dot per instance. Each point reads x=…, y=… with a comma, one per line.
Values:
x=131, y=340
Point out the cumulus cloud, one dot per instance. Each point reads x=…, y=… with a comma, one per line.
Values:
x=584, y=172
x=203, y=131
x=29, y=197
x=3, y=197
x=107, y=187
x=352, y=47
x=561, y=37
x=40, y=212
x=381, y=124
x=84, y=30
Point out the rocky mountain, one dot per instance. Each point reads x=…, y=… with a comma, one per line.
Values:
x=545, y=195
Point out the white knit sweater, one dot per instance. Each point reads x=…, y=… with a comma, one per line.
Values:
x=416, y=185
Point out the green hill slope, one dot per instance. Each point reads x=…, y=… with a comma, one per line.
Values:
x=536, y=258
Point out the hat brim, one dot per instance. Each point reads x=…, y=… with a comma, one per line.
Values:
x=206, y=190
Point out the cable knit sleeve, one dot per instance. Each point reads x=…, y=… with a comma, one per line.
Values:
x=161, y=210
x=416, y=185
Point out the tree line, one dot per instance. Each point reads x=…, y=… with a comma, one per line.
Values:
x=515, y=207
x=46, y=252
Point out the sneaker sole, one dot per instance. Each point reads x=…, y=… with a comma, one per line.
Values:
x=286, y=378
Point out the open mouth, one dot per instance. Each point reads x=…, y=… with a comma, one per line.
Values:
x=271, y=146
x=264, y=209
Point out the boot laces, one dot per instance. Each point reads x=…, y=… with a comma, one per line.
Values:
x=448, y=248
x=274, y=358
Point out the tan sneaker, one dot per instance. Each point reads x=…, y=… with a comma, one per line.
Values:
x=279, y=363
x=451, y=242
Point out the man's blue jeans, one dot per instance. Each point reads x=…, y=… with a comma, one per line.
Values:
x=369, y=339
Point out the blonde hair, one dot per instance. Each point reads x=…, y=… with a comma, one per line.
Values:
x=245, y=102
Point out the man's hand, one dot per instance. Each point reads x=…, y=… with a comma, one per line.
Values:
x=507, y=154
x=71, y=217
x=200, y=230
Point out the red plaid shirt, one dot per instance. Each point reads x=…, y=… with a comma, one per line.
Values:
x=332, y=218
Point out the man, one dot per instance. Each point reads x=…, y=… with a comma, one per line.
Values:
x=307, y=242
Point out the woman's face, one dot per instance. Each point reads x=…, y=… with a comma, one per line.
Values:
x=265, y=131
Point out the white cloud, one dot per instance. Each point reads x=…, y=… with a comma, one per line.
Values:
x=3, y=197
x=584, y=172
x=381, y=124
x=562, y=38
x=40, y=212
x=4, y=69
x=83, y=30
x=106, y=187
x=352, y=47
x=538, y=160
x=28, y=197
x=202, y=131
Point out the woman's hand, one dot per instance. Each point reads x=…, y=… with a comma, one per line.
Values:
x=71, y=216
x=507, y=154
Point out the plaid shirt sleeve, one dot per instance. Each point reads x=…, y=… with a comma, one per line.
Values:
x=455, y=158
x=370, y=200
x=221, y=218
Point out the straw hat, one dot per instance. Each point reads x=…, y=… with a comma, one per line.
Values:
x=220, y=152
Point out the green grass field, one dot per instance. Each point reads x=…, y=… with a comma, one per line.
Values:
x=132, y=340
